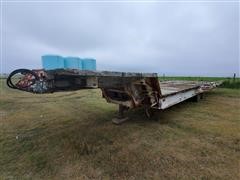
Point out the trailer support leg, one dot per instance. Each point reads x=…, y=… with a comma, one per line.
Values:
x=120, y=117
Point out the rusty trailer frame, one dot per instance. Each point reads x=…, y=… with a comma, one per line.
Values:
x=128, y=90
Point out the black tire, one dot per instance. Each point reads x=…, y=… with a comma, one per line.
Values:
x=197, y=98
x=9, y=79
x=149, y=112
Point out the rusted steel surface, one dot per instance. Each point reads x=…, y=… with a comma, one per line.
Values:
x=87, y=73
x=131, y=92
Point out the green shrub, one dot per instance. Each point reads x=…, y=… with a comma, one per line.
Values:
x=230, y=83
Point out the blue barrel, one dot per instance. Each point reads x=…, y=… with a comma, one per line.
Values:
x=50, y=62
x=72, y=63
x=80, y=64
x=89, y=64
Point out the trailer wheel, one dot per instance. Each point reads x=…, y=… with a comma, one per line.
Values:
x=27, y=83
x=197, y=98
x=149, y=112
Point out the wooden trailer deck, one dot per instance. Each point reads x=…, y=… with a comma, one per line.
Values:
x=173, y=87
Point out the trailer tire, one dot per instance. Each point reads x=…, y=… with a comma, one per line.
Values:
x=149, y=112
x=197, y=98
x=9, y=79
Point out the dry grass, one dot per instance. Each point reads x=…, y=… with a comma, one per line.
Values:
x=70, y=136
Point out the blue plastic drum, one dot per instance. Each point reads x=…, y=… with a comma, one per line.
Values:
x=89, y=64
x=50, y=62
x=72, y=63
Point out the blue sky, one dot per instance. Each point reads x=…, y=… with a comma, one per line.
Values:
x=174, y=38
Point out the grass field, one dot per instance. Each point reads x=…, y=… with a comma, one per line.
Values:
x=70, y=136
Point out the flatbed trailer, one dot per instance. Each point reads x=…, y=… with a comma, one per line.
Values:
x=128, y=90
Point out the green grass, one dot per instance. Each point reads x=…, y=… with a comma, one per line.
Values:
x=69, y=135
x=233, y=84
